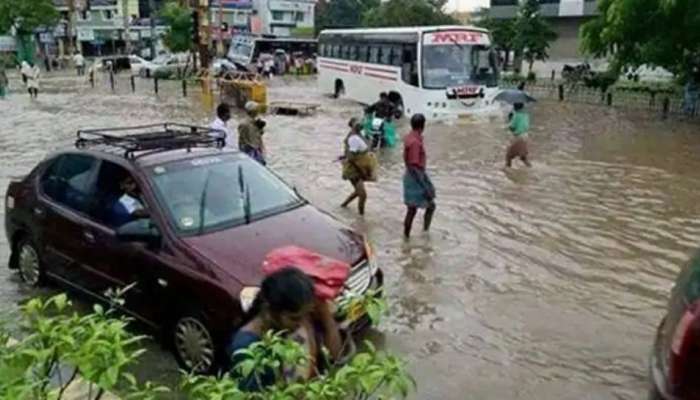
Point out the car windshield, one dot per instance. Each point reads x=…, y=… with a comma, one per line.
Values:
x=207, y=194
x=455, y=65
x=241, y=50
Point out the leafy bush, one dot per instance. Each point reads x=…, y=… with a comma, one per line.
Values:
x=99, y=348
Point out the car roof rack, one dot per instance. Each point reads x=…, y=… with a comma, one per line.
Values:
x=150, y=139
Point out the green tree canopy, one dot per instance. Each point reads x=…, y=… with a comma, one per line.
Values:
x=179, y=20
x=502, y=31
x=408, y=13
x=533, y=34
x=663, y=33
x=342, y=13
x=28, y=14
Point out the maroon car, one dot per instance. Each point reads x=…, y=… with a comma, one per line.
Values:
x=180, y=221
x=675, y=359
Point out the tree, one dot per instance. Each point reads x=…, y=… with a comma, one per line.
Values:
x=664, y=33
x=28, y=15
x=408, y=13
x=502, y=33
x=179, y=20
x=533, y=34
x=342, y=13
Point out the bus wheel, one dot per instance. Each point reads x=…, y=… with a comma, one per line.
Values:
x=396, y=98
x=339, y=88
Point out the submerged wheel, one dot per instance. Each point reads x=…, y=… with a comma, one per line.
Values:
x=29, y=263
x=339, y=89
x=193, y=344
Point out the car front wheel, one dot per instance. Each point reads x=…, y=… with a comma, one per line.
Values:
x=193, y=344
x=29, y=263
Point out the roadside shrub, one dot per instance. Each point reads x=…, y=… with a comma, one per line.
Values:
x=98, y=347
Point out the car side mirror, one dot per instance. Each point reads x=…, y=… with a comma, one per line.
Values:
x=141, y=230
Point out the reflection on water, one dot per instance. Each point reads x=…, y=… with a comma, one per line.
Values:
x=542, y=283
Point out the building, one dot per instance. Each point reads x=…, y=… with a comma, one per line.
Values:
x=230, y=17
x=98, y=28
x=285, y=17
x=566, y=18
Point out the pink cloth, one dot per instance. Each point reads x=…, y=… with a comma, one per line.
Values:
x=329, y=275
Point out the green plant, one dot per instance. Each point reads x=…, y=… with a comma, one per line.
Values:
x=533, y=34
x=96, y=345
x=179, y=20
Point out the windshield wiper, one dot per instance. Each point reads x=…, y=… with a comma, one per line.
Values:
x=245, y=194
x=203, y=202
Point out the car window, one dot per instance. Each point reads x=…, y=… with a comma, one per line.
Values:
x=118, y=198
x=212, y=193
x=68, y=181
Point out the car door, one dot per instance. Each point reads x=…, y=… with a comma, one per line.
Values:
x=61, y=211
x=139, y=270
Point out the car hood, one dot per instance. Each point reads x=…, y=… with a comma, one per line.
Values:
x=240, y=251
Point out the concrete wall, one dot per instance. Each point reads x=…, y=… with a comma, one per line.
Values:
x=567, y=46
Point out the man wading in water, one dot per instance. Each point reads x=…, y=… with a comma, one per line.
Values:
x=418, y=190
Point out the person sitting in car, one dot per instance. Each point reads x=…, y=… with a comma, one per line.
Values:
x=127, y=205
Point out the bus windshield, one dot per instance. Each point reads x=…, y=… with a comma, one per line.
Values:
x=241, y=50
x=458, y=58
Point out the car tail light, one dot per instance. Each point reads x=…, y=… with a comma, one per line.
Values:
x=10, y=202
x=681, y=346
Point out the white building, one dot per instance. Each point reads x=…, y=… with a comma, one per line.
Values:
x=283, y=17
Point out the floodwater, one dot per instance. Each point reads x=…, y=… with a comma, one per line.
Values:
x=542, y=283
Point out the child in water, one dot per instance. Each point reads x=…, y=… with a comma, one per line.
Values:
x=519, y=126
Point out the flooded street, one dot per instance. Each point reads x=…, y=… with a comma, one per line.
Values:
x=541, y=284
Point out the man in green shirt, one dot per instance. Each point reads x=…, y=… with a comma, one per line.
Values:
x=519, y=126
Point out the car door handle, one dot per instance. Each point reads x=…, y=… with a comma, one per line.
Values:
x=89, y=237
x=162, y=282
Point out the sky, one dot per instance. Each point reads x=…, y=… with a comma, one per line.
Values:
x=466, y=5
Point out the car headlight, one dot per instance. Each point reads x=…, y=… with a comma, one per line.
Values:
x=371, y=258
x=247, y=297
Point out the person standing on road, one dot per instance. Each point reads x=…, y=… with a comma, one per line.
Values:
x=220, y=125
x=250, y=133
x=79, y=62
x=418, y=189
x=357, y=166
x=24, y=71
x=33, y=75
x=519, y=126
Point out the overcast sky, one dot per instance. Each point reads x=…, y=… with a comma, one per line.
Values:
x=466, y=5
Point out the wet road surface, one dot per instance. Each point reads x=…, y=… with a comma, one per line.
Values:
x=545, y=283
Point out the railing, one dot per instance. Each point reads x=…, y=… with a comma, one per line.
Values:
x=662, y=102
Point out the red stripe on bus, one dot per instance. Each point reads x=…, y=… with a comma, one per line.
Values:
x=387, y=71
x=335, y=63
x=335, y=68
x=390, y=78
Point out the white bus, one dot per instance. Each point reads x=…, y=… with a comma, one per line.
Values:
x=245, y=49
x=439, y=71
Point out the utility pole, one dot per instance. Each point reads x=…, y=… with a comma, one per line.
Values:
x=220, y=46
x=70, y=27
x=127, y=29
x=152, y=17
x=204, y=33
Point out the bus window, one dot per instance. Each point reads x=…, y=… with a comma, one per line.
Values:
x=345, y=52
x=322, y=50
x=363, y=53
x=409, y=66
x=396, y=55
x=353, y=53
x=374, y=55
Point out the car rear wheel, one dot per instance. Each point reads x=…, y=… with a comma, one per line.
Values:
x=29, y=263
x=193, y=344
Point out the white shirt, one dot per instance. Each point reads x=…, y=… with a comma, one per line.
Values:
x=227, y=134
x=79, y=60
x=356, y=144
x=130, y=204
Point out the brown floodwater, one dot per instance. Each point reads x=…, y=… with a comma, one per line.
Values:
x=541, y=283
